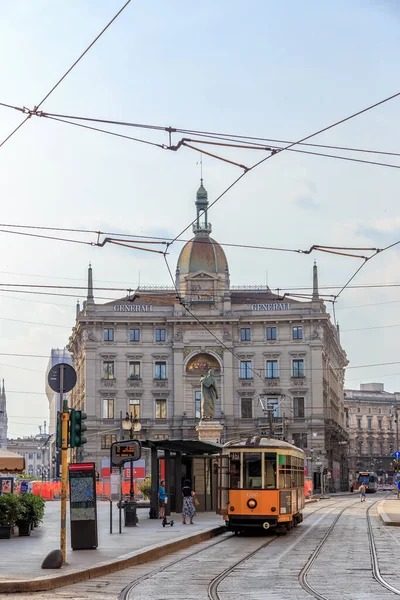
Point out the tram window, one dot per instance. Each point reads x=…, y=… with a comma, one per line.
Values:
x=285, y=472
x=252, y=470
x=234, y=472
x=270, y=470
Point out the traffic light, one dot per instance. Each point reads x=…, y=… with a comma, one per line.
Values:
x=77, y=428
x=59, y=430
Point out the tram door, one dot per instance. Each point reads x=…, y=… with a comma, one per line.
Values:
x=222, y=484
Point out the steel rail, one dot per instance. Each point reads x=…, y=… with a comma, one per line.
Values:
x=125, y=593
x=374, y=557
x=213, y=586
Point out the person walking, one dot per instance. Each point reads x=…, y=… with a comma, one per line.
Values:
x=188, y=508
x=361, y=489
x=162, y=498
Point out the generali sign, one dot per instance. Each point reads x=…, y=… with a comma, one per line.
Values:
x=133, y=308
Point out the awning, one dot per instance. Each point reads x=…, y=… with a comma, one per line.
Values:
x=11, y=462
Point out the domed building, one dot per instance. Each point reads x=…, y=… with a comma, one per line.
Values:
x=278, y=362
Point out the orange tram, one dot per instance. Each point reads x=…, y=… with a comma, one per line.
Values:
x=260, y=484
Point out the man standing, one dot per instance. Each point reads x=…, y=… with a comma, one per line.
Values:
x=361, y=489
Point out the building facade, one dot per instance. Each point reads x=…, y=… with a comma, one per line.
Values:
x=57, y=356
x=35, y=449
x=373, y=430
x=278, y=361
x=3, y=417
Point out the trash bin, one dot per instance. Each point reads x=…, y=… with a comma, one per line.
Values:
x=130, y=514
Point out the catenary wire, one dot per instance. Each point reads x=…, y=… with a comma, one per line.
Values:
x=214, y=135
x=62, y=78
x=304, y=139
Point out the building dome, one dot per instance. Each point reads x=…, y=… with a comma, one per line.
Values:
x=202, y=253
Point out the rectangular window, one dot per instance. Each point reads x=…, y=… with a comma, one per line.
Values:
x=358, y=410
x=246, y=408
x=197, y=401
x=246, y=369
x=108, y=369
x=358, y=423
x=272, y=371
x=108, y=408
x=134, y=335
x=389, y=424
x=298, y=368
x=160, y=370
x=38, y=455
x=245, y=334
x=298, y=408
x=108, y=335
x=134, y=369
x=30, y=454
x=271, y=333
x=381, y=448
x=107, y=440
x=369, y=423
x=134, y=408
x=379, y=423
x=300, y=440
x=370, y=448
x=160, y=335
x=161, y=409
x=272, y=403
x=297, y=333
x=360, y=447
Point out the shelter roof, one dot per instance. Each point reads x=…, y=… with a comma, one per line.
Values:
x=191, y=447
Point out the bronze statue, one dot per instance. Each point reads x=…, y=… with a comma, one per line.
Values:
x=209, y=394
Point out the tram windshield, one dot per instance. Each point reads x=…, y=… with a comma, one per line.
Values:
x=246, y=470
x=252, y=475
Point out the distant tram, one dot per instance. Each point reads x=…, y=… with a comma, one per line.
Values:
x=369, y=479
x=260, y=484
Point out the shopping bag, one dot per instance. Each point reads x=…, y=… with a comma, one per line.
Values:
x=196, y=502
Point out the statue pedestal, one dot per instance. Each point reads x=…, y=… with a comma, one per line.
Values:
x=209, y=430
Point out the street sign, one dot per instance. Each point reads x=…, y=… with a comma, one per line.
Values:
x=124, y=451
x=54, y=376
x=396, y=454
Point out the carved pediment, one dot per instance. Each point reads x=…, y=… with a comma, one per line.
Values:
x=108, y=356
x=160, y=356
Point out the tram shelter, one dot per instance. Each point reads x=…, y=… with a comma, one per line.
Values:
x=183, y=459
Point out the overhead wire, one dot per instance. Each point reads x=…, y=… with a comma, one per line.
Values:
x=61, y=79
x=304, y=139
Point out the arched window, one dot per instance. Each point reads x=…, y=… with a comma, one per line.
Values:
x=201, y=363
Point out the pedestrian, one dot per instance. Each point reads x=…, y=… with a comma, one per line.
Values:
x=162, y=498
x=188, y=508
x=361, y=489
x=398, y=488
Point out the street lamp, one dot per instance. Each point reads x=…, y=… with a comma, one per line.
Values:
x=132, y=425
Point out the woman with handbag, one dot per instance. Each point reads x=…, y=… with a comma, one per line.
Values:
x=189, y=499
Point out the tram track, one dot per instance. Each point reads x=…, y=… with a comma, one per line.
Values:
x=125, y=594
x=373, y=555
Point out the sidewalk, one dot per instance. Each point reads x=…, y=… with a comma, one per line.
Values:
x=21, y=557
x=389, y=511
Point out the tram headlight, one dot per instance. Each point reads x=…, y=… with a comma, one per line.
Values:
x=273, y=509
x=231, y=508
x=251, y=502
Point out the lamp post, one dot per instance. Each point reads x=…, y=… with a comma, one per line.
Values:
x=132, y=425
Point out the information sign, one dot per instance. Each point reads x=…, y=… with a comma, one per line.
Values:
x=83, y=513
x=124, y=451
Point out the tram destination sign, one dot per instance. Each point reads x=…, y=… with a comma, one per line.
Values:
x=125, y=451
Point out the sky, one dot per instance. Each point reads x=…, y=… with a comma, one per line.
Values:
x=277, y=70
